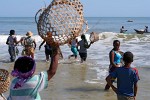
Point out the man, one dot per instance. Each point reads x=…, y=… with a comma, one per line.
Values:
x=122, y=30
x=127, y=79
x=11, y=42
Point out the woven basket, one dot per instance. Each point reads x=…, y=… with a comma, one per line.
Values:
x=4, y=80
x=63, y=18
x=94, y=37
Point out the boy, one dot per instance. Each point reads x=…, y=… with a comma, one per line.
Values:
x=127, y=79
x=11, y=42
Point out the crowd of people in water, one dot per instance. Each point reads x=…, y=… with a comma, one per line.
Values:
x=25, y=66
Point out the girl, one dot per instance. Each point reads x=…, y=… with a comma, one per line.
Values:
x=83, y=48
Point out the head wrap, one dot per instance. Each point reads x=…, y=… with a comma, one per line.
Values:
x=22, y=77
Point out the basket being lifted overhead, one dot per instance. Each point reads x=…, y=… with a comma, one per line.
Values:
x=63, y=18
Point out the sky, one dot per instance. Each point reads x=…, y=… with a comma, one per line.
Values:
x=92, y=8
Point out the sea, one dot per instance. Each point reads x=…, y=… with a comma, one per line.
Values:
x=108, y=30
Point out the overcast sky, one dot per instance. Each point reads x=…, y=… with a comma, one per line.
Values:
x=92, y=8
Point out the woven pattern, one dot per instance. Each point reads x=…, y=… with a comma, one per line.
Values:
x=94, y=37
x=63, y=18
x=4, y=80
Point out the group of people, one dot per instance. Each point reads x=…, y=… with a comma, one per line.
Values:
x=27, y=86
x=123, y=30
x=27, y=42
x=120, y=69
x=79, y=46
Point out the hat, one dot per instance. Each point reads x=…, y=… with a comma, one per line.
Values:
x=4, y=80
x=29, y=33
x=12, y=32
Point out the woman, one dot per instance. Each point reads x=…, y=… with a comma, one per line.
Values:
x=26, y=85
x=83, y=48
x=115, y=57
x=29, y=44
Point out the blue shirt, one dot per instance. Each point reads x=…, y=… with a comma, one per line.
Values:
x=126, y=78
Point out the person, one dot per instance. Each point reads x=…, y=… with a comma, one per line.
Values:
x=29, y=44
x=4, y=82
x=12, y=42
x=73, y=44
x=127, y=79
x=122, y=30
x=27, y=86
x=83, y=44
x=48, y=48
x=115, y=56
x=146, y=29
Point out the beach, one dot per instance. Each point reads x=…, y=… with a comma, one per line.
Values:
x=79, y=82
x=76, y=81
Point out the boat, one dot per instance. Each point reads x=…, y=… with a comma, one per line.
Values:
x=140, y=31
x=130, y=21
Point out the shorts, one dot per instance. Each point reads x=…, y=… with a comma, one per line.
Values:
x=74, y=50
x=83, y=56
x=122, y=97
x=111, y=68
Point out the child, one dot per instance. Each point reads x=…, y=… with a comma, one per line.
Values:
x=48, y=48
x=73, y=44
x=4, y=82
x=115, y=58
x=27, y=86
x=83, y=44
x=127, y=79
x=11, y=42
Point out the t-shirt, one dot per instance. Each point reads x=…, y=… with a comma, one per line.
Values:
x=11, y=40
x=30, y=90
x=82, y=49
x=74, y=42
x=126, y=78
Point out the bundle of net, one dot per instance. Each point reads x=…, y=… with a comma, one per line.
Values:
x=63, y=18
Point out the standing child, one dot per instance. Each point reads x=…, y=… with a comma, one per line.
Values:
x=27, y=86
x=11, y=42
x=127, y=79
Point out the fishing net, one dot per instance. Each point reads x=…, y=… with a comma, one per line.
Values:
x=63, y=18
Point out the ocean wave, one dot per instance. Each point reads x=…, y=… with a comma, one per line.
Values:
x=105, y=36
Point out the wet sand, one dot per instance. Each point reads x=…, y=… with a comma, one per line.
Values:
x=69, y=83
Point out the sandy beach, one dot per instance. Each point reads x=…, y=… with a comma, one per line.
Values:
x=71, y=83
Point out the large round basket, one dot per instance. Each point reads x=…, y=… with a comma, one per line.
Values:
x=63, y=18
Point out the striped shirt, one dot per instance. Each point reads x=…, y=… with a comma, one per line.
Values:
x=30, y=90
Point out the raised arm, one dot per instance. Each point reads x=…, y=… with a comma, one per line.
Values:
x=53, y=65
